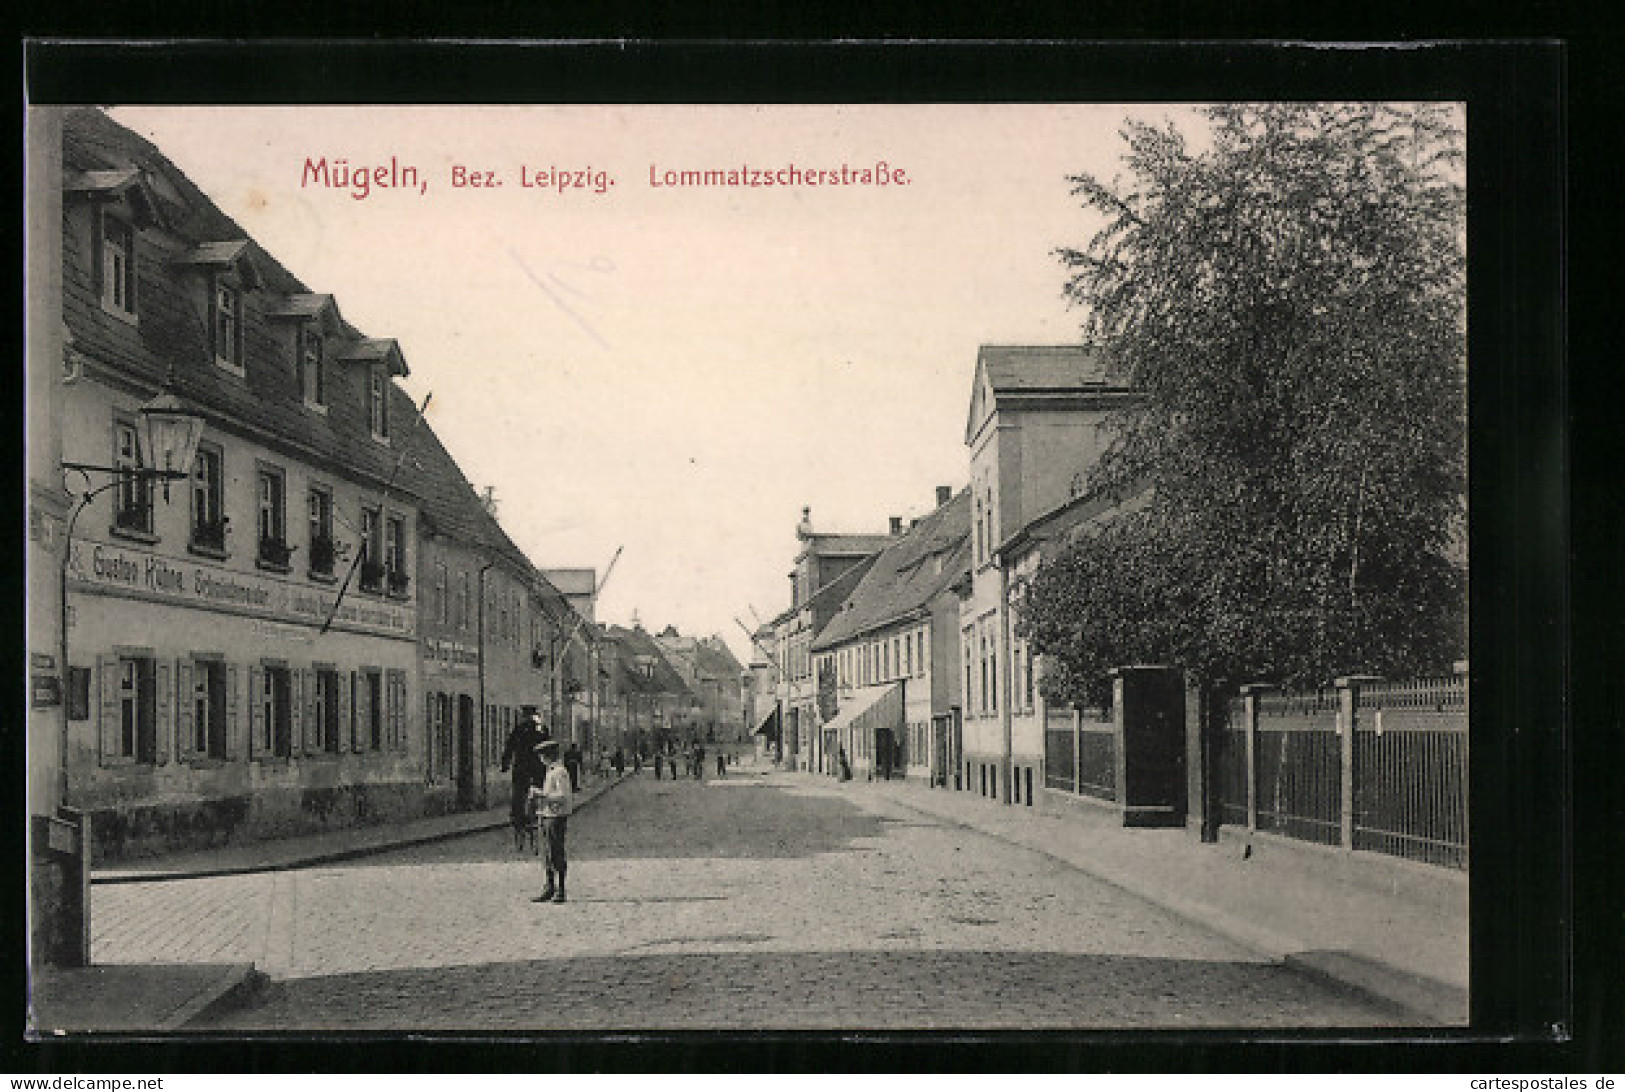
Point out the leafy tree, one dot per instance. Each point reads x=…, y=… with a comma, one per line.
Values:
x=1289, y=297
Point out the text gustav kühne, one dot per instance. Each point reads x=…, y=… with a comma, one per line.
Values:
x=364, y=180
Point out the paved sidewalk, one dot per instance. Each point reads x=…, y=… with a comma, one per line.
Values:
x=133, y=997
x=279, y=854
x=1385, y=927
x=166, y=997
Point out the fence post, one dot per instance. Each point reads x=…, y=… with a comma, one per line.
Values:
x=1249, y=698
x=1077, y=750
x=1348, y=722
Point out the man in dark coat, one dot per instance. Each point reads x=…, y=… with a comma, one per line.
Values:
x=572, y=763
x=519, y=755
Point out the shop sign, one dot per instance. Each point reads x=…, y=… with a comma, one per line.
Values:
x=112, y=569
x=47, y=691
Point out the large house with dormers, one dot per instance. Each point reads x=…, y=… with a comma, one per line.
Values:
x=321, y=625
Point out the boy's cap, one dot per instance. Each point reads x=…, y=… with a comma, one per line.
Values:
x=548, y=748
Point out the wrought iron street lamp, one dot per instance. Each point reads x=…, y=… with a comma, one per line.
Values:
x=167, y=435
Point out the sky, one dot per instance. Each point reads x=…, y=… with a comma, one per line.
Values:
x=675, y=371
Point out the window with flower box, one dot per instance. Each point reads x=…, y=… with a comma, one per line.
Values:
x=274, y=550
x=208, y=491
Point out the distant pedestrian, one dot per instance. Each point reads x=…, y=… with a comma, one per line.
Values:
x=557, y=801
x=572, y=763
x=637, y=761
x=722, y=765
x=519, y=755
x=673, y=760
x=699, y=762
x=619, y=762
x=658, y=763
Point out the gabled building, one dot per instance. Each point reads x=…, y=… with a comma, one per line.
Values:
x=827, y=568
x=323, y=624
x=714, y=676
x=1039, y=419
x=225, y=677
x=889, y=657
x=648, y=706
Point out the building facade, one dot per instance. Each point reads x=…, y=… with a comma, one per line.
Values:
x=890, y=653
x=1039, y=419
x=827, y=568
x=240, y=648
x=316, y=623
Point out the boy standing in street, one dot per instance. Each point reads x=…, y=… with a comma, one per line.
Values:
x=556, y=805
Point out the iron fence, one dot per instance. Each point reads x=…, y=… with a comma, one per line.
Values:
x=1408, y=775
x=1232, y=764
x=1410, y=763
x=1097, y=753
x=1060, y=768
x=1299, y=766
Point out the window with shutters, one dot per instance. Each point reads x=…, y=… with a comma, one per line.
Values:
x=134, y=709
x=372, y=731
x=276, y=714
x=205, y=736
x=326, y=708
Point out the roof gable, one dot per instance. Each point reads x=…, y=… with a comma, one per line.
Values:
x=906, y=576
x=1005, y=373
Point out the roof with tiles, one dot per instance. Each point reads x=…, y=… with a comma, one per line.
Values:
x=1043, y=367
x=173, y=327
x=906, y=576
x=636, y=648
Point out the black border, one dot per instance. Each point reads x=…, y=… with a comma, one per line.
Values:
x=1517, y=118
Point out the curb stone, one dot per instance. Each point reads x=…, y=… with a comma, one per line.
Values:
x=318, y=858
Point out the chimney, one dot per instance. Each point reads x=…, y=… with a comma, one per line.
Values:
x=897, y=525
x=945, y=493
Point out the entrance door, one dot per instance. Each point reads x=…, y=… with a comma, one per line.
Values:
x=465, y=751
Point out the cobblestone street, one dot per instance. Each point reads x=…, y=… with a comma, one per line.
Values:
x=755, y=902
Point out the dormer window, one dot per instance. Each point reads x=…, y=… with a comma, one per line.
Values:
x=378, y=393
x=118, y=265
x=312, y=367
x=228, y=326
